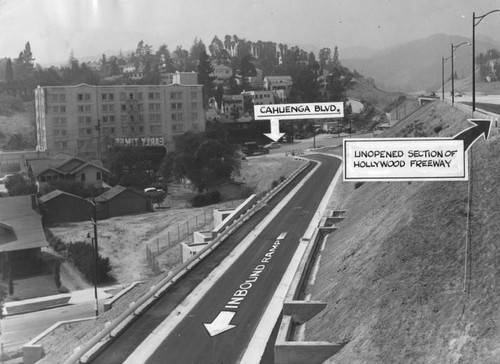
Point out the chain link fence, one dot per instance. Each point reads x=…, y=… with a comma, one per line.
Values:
x=174, y=235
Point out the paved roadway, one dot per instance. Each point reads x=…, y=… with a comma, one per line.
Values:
x=191, y=341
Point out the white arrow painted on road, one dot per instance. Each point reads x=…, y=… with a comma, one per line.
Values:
x=220, y=324
x=275, y=134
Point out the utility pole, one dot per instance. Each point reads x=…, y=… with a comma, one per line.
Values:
x=96, y=259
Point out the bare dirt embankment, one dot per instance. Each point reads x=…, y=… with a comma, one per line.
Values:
x=393, y=274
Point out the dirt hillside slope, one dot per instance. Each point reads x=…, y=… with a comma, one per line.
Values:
x=393, y=274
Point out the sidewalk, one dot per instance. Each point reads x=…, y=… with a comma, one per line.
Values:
x=72, y=298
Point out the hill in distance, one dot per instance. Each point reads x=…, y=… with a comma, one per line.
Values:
x=417, y=66
x=393, y=273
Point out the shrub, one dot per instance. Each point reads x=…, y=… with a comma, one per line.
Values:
x=437, y=129
x=282, y=178
x=207, y=198
x=82, y=255
x=275, y=183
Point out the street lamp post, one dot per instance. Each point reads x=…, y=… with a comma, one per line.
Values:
x=474, y=24
x=453, y=49
x=443, y=60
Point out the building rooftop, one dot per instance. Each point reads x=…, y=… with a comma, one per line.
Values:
x=22, y=225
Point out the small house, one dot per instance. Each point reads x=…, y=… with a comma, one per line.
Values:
x=120, y=201
x=59, y=206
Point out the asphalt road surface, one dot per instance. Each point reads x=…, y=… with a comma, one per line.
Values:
x=239, y=298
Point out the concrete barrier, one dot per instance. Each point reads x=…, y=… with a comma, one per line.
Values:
x=297, y=311
x=234, y=215
x=32, y=351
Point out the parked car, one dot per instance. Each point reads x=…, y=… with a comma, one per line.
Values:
x=272, y=145
x=252, y=148
x=153, y=191
x=4, y=178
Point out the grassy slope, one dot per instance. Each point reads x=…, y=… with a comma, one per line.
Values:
x=393, y=273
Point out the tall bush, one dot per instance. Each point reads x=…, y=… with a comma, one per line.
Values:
x=82, y=255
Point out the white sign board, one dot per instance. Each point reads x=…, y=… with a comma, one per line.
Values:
x=318, y=110
x=404, y=159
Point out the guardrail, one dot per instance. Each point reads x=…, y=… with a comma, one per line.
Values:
x=98, y=342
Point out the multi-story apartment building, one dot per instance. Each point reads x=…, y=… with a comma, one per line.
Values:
x=85, y=120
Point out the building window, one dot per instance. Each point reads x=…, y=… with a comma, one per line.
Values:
x=123, y=118
x=154, y=118
x=59, y=121
x=108, y=108
x=154, y=106
x=60, y=144
x=59, y=109
x=125, y=129
x=84, y=119
x=82, y=177
x=177, y=128
x=176, y=95
x=196, y=126
x=124, y=107
x=178, y=117
x=123, y=96
x=42, y=178
x=176, y=105
x=194, y=94
x=155, y=128
x=141, y=118
x=141, y=129
x=194, y=116
x=153, y=95
x=58, y=98
x=98, y=176
x=83, y=97
x=194, y=105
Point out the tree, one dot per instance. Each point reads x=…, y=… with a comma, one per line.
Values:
x=247, y=69
x=195, y=52
x=218, y=51
x=325, y=58
x=18, y=185
x=135, y=166
x=203, y=161
x=181, y=58
x=204, y=70
x=336, y=61
x=305, y=86
x=9, y=71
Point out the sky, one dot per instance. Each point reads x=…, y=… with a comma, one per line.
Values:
x=55, y=28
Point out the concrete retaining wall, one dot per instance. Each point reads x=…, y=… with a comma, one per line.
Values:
x=297, y=311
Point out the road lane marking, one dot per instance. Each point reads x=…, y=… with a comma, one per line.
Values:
x=222, y=322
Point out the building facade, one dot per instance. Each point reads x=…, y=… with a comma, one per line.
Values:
x=181, y=78
x=280, y=85
x=85, y=120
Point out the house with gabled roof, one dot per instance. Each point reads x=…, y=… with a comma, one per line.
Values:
x=119, y=201
x=63, y=166
x=59, y=206
x=21, y=233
